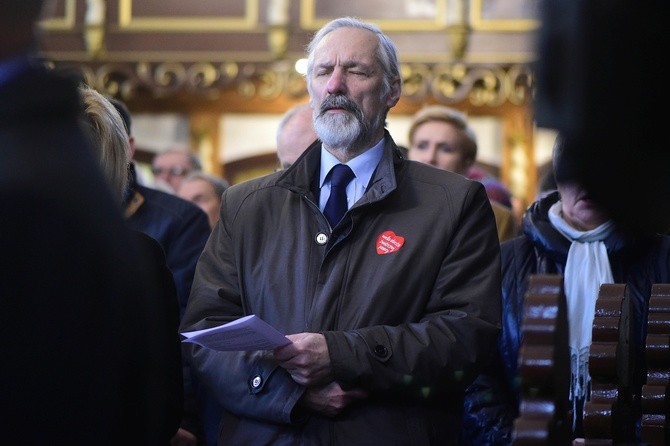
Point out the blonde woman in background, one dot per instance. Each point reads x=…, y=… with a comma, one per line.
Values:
x=440, y=136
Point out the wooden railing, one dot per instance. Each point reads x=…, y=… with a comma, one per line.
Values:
x=611, y=412
x=544, y=366
x=616, y=412
x=655, y=399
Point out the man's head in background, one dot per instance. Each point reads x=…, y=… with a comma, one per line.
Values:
x=294, y=134
x=173, y=165
x=205, y=191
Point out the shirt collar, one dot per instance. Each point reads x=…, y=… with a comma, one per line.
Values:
x=363, y=165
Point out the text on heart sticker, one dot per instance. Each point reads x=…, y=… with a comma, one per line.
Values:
x=388, y=242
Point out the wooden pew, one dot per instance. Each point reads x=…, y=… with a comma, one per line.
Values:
x=544, y=366
x=655, y=392
x=611, y=413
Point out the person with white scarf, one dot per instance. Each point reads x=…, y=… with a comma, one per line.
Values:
x=566, y=232
x=585, y=225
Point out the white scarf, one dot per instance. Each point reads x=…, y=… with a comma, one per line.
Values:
x=586, y=269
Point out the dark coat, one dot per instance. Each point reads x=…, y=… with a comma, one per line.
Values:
x=413, y=326
x=492, y=402
x=74, y=306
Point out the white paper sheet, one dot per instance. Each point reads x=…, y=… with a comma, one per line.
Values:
x=246, y=333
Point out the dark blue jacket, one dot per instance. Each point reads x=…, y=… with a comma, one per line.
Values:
x=492, y=401
x=181, y=227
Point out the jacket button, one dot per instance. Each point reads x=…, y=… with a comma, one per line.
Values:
x=256, y=381
x=381, y=351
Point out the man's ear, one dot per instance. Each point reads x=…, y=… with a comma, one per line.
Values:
x=394, y=93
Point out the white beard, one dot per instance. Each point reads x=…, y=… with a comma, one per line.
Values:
x=338, y=130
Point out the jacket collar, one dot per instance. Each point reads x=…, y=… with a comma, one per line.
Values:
x=303, y=176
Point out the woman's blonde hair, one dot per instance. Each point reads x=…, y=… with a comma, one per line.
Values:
x=108, y=136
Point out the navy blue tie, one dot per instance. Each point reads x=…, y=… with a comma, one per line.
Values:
x=336, y=206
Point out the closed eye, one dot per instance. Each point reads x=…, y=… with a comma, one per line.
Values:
x=446, y=148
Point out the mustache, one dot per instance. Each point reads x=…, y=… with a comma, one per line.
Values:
x=342, y=102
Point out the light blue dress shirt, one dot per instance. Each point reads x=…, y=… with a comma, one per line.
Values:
x=363, y=167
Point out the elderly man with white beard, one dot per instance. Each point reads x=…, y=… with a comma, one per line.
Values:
x=383, y=273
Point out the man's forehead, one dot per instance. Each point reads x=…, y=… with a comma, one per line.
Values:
x=198, y=186
x=347, y=45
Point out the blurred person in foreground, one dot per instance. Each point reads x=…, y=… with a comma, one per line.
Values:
x=204, y=190
x=440, y=136
x=569, y=233
x=580, y=49
x=182, y=230
x=295, y=133
x=161, y=378
x=72, y=331
x=171, y=166
x=377, y=355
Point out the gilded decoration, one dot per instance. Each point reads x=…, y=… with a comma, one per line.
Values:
x=472, y=54
x=446, y=83
x=134, y=47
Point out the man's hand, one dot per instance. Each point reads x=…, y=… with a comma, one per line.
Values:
x=330, y=400
x=306, y=359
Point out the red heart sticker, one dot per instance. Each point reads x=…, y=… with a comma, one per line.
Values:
x=388, y=242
